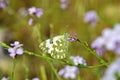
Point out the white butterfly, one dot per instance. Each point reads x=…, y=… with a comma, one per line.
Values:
x=57, y=47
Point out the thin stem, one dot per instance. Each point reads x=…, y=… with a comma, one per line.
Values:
x=85, y=45
x=103, y=63
x=13, y=69
x=54, y=70
x=43, y=73
x=97, y=66
x=26, y=72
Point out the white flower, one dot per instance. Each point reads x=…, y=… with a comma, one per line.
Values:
x=78, y=60
x=69, y=72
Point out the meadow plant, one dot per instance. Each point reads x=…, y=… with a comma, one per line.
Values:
x=49, y=51
x=57, y=48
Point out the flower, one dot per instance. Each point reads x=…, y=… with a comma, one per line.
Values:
x=16, y=49
x=64, y=4
x=30, y=22
x=4, y=3
x=98, y=45
x=69, y=72
x=112, y=71
x=5, y=78
x=38, y=12
x=91, y=17
x=78, y=60
x=73, y=38
x=109, y=40
x=35, y=78
x=32, y=10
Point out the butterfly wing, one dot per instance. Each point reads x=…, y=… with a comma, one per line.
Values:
x=57, y=48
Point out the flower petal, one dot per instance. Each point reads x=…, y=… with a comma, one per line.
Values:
x=19, y=51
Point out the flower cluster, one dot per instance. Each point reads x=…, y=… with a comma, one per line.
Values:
x=37, y=12
x=78, y=60
x=109, y=40
x=69, y=72
x=16, y=49
x=113, y=71
x=72, y=71
x=91, y=17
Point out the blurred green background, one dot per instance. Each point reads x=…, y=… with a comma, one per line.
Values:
x=14, y=26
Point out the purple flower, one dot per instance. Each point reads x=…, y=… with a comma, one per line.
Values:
x=30, y=22
x=32, y=10
x=5, y=78
x=78, y=60
x=64, y=4
x=91, y=17
x=35, y=78
x=73, y=37
x=38, y=12
x=69, y=72
x=112, y=70
x=110, y=40
x=98, y=45
x=16, y=49
x=4, y=3
x=117, y=47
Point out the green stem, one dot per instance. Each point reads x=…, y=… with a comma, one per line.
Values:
x=85, y=45
x=26, y=73
x=43, y=73
x=13, y=69
x=54, y=70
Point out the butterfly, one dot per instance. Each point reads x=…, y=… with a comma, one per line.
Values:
x=57, y=46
